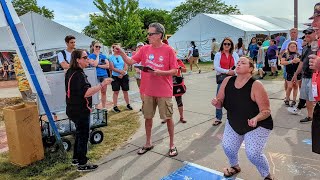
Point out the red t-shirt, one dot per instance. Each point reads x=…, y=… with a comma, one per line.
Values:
x=316, y=77
x=226, y=62
x=162, y=58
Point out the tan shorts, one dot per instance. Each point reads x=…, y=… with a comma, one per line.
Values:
x=164, y=104
x=194, y=60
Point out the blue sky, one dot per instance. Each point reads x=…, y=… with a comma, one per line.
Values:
x=75, y=13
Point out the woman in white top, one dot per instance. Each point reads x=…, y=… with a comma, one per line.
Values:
x=240, y=49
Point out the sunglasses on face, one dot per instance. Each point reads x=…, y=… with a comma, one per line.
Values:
x=227, y=44
x=308, y=33
x=98, y=47
x=151, y=34
x=84, y=57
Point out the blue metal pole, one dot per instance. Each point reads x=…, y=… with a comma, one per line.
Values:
x=30, y=68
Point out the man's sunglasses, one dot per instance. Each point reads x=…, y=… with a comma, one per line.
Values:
x=98, y=47
x=308, y=33
x=227, y=44
x=151, y=34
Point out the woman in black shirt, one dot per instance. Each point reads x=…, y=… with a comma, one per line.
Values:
x=249, y=119
x=290, y=60
x=79, y=101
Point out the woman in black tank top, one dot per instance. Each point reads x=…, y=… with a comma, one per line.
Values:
x=248, y=118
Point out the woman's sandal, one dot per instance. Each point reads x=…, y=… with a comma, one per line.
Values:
x=232, y=173
x=216, y=123
x=144, y=150
x=164, y=121
x=173, y=152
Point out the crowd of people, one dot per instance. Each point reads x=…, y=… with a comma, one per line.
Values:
x=159, y=75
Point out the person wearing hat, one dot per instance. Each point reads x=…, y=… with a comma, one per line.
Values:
x=305, y=90
x=314, y=64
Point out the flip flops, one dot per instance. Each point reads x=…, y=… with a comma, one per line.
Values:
x=144, y=150
x=173, y=152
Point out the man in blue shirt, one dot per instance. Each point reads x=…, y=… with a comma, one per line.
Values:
x=272, y=54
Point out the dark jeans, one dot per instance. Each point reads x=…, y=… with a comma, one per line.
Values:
x=316, y=130
x=81, y=142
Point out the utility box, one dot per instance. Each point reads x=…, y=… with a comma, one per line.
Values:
x=23, y=134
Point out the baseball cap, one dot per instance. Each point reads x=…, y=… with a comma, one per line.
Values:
x=316, y=11
x=140, y=44
x=308, y=30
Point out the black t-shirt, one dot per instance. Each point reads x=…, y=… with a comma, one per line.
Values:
x=77, y=104
x=240, y=107
x=306, y=71
x=291, y=68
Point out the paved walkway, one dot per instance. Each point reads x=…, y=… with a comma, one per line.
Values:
x=288, y=149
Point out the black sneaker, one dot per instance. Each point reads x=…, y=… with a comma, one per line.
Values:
x=260, y=78
x=306, y=120
x=75, y=162
x=264, y=74
x=87, y=167
x=276, y=74
x=129, y=107
x=116, y=109
x=199, y=71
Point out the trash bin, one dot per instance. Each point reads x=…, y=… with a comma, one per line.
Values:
x=23, y=134
x=45, y=65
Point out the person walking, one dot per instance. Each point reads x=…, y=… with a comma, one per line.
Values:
x=79, y=101
x=161, y=64
x=224, y=63
x=240, y=49
x=252, y=124
x=193, y=56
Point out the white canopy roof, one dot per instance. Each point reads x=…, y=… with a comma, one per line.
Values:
x=46, y=34
x=204, y=27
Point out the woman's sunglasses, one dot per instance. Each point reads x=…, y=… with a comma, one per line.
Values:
x=98, y=47
x=85, y=57
x=227, y=44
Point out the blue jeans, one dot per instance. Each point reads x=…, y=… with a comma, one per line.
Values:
x=218, y=111
x=82, y=136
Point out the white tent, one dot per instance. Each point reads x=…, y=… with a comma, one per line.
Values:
x=204, y=27
x=46, y=35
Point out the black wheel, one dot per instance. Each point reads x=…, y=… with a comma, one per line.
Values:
x=96, y=137
x=48, y=141
x=66, y=144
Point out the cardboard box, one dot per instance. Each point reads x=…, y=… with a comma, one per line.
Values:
x=23, y=134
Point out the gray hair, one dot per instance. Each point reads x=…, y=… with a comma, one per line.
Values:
x=159, y=28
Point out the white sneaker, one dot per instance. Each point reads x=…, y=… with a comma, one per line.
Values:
x=294, y=110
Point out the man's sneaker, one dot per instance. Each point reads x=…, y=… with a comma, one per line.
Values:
x=116, y=109
x=306, y=120
x=294, y=110
x=199, y=71
x=75, y=162
x=129, y=107
x=87, y=167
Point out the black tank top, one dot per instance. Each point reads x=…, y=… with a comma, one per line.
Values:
x=240, y=107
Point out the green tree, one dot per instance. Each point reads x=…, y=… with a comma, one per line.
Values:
x=118, y=22
x=24, y=6
x=189, y=9
x=164, y=17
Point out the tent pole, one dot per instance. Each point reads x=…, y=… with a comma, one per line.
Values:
x=34, y=37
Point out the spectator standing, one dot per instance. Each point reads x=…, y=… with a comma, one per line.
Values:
x=64, y=56
x=272, y=55
x=99, y=60
x=193, y=56
x=214, y=48
x=260, y=61
x=157, y=84
x=253, y=49
x=240, y=49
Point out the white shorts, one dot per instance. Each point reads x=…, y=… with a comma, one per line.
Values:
x=272, y=62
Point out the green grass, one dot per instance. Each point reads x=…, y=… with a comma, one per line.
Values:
x=58, y=165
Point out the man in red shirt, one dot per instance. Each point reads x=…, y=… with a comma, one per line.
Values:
x=314, y=63
x=156, y=83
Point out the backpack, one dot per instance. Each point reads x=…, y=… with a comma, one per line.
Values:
x=58, y=66
x=195, y=52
